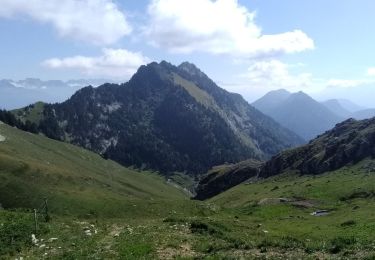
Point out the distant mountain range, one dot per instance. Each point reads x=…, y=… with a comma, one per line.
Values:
x=306, y=116
x=165, y=118
x=16, y=94
x=364, y=114
x=298, y=112
x=336, y=107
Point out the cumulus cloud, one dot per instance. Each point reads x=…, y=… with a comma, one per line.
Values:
x=218, y=27
x=352, y=83
x=270, y=74
x=95, y=21
x=114, y=63
x=266, y=75
x=371, y=71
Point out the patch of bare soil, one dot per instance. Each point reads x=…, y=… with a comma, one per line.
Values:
x=183, y=250
x=275, y=253
x=109, y=238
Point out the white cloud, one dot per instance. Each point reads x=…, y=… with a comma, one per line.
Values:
x=272, y=74
x=266, y=75
x=347, y=83
x=371, y=71
x=114, y=63
x=352, y=83
x=95, y=21
x=218, y=27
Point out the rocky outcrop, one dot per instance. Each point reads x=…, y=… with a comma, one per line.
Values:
x=224, y=177
x=347, y=143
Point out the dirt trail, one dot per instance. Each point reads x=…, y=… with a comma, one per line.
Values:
x=108, y=240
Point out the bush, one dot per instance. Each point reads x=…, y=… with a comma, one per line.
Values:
x=205, y=228
x=275, y=188
x=291, y=242
x=348, y=223
x=340, y=243
x=15, y=231
x=174, y=220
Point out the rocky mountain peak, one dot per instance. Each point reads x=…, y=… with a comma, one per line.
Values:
x=191, y=69
x=298, y=112
x=166, y=118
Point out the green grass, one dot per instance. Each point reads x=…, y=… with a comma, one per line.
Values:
x=15, y=231
x=184, y=181
x=207, y=101
x=139, y=215
x=76, y=181
x=349, y=220
x=199, y=95
x=32, y=113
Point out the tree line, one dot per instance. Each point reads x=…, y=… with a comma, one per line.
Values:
x=10, y=119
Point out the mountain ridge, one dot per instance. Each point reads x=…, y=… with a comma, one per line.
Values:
x=166, y=118
x=298, y=112
x=348, y=143
x=336, y=107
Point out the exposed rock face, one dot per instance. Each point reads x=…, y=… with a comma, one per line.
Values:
x=348, y=142
x=224, y=177
x=166, y=118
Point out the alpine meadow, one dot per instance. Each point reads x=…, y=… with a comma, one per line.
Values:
x=187, y=129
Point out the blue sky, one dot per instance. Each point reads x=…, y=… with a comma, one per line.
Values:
x=324, y=48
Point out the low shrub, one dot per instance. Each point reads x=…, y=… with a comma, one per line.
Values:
x=340, y=243
x=16, y=229
x=348, y=223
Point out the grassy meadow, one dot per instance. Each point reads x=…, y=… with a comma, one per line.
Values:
x=101, y=210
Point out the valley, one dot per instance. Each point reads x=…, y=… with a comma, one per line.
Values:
x=99, y=209
x=187, y=130
x=171, y=166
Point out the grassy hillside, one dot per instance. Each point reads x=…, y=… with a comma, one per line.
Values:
x=73, y=179
x=32, y=113
x=280, y=207
x=100, y=210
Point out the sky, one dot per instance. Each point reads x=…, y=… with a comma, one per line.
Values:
x=324, y=48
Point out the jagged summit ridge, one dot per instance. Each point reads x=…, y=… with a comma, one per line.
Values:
x=166, y=118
